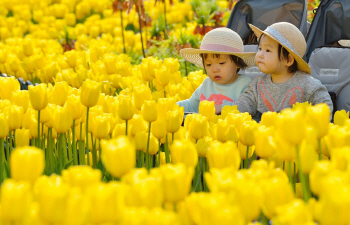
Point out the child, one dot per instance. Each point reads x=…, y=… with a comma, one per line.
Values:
x=221, y=55
x=287, y=79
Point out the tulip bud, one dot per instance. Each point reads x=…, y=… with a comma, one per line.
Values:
x=220, y=130
x=74, y=106
x=247, y=133
x=340, y=117
x=101, y=127
x=232, y=134
x=15, y=116
x=222, y=155
x=90, y=93
x=141, y=94
x=265, y=145
x=118, y=156
x=269, y=119
x=21, y=98
x=174, y=120
x=8, y=86
x=153, y=145
x=27, y=164
x=22, y=137
x=203, y=145
x=81, y=176
x=38, y=96
x=292, y=125
x=158, y=128
x=318, y=117
x=164, y=105
x=125, y=107
x=63, y=119
x=149, y=111
x=184, y=152
x=199, y=127
x=207, y=109
x=162, y=76
x=59, y=93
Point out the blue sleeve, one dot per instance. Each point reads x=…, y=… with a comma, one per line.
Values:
x=192, y=104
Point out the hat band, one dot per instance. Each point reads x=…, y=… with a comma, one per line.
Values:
x=219, y=48
x=276, y=34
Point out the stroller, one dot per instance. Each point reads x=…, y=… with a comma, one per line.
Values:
x=262, y=13
x=328, y=52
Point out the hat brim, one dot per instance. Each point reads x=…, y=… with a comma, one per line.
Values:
x=193, y=55
x=302, y=65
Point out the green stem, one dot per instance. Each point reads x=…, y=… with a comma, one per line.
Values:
x=70, y=153
x=246, y=159
x=11, y=146
x=81, y=147
x=75, y=156
x=164, y=93
x=99, y=150
x=87, y=135
x=319, y=150
x=1, y=159
x=94, y=153
x=42, y=143
x=122, y=28
x=147, y=152
x=302, y=178
x=264, y=219
x=172, y=137
x=60, y=152
x=49, y=151
x=64, y=149
x=14, y=138
x=291, y=176
x=167, y=157
x=126, y=127
x=38, y=143
x=7, y=150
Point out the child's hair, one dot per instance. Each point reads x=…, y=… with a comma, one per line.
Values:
x=283, y=54
x=237, y=60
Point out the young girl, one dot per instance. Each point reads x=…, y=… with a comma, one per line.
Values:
x=287, y=79
x=221, y=55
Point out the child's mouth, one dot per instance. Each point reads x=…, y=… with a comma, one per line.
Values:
x=217, y=77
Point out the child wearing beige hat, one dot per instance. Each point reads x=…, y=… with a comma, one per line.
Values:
x=287, y=77
x=221, y=55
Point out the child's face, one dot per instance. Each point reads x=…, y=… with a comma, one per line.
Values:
x=267, y=56
x=221, y=70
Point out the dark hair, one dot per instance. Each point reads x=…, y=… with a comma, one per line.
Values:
x=237, y=60
x=294, y=67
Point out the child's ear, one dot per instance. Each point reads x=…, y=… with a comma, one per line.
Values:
x=290, y=60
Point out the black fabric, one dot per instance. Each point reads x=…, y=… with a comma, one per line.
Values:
x=263, y=13
x=330, y=24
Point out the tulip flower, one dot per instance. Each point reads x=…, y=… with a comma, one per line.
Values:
x=4, y=130
x=177, y=182
x=90, y=93
x=9, y=86
x=149, y=111
x=81, y=176
x=294, y=212
x=159, y=128
x=153, y=146
x=141, y=94
x=292, y=125
x=22, y=137
x=125, y=109
x=63, y=119
x=16, y=200
x=203, y=145
x=232, y=134
x=265, y=145
x=27, y=164
x=340, y=117
x=15, y=115
x=164, y=105
x=38, y=96
x=269, y=119
x=222, y=155
x=199, y=126
x=207, y=109
x=59, y=93
x=174, y=120
x=21, y=98
x=184, y=152
x=162, y=76
x=220, y=130
x=118, y=156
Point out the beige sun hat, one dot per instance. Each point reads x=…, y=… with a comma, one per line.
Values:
x=219, y=41
x=345, y=43
x=290, y=37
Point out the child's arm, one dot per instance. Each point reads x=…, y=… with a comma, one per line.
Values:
x=247, y=101
x=192, y=104
x=321, y=95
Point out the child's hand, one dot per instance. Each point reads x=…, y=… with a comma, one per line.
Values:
x=218, y=109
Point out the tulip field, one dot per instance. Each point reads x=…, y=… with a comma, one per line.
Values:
x=90, y=132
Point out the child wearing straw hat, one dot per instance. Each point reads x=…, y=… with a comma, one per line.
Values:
x=221, y=55
x=287, y=79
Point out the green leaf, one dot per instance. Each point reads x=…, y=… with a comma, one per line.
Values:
x=68, y=164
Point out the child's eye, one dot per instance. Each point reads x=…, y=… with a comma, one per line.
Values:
x=222, y=63
x=268, y=50
x=207, y=64
x=259, y=49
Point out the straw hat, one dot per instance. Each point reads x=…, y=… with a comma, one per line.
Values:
x=219, y=41
x=290, y=37
x=345, y=43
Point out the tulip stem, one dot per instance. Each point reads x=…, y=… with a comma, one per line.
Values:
x=42, y=140
x=319, y=150
x=291, y=178
x=14, y=138
x=264, y=219
x=49, y=154
x=38, y=143
x=81, y=147
x=70, y=153
x=7, y=150
x=60, y=152
x=94, y=153
x=87, y=136
x=75, y=157
x=167, y=158
x=246, y=158
x=1, y=158
x=122, y=28
x=126, y=127
x=164, y=93
x=147, y=153
x=172, y=136
x=302, y=178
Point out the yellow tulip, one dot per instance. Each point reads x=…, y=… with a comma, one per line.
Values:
x=172, y=64
x=243, y=150
x=269, y=119
x=63, y=119
x=81, y=176
x=118, y=156
x=162, y=76
x=145, y=189
x=184, y=152
x=158, y=128
x=141, y=94
x=207, y=109
x=208, y=208
x=15, y=116
x=340, y=117
x=119, y=130
x=8, y=86
x=199, y=126
x=101, y=127
x=232, y=134
x=141, y=141
x=74, y=106
x=320, y=170
x=149, y=111
x=164, y=105
x=38, y=96
x=308, y=156
x=81, y=136
x=265, y=145
x=318, y=117
x=137, y=124
x=59, y=93
x=338, y=137
x=292, y=125
x=295, y=212
x=45, y=114
x=177, y=181
x=90, y=93
x=22, y=137
x=153, y=146
x=70, y=19
x=27, y=164
x=21, y=98
x=203, y=145
x=220, y=130
x=125, y=107
x=284, y=150
x=222, y=155
x=173, y=121
x=16, y=200
x=221, y=180
x=247, y=133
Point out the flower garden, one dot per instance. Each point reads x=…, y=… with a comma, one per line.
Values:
x=90, y=132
